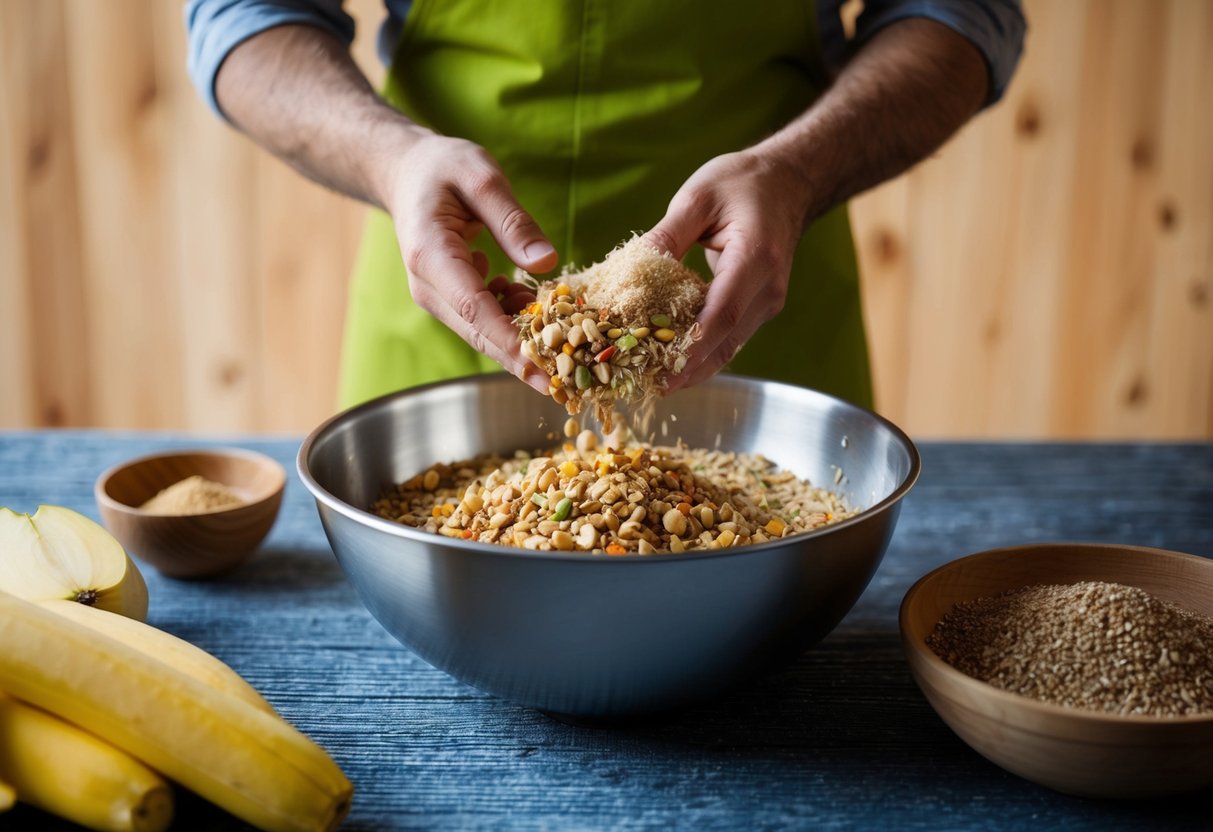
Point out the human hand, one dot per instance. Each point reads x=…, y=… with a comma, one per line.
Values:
x=748, y=210
x=443, y=192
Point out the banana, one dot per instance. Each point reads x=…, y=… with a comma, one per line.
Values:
x=235, y=755
x=190, y=660
x=57, y=553
x=70, y=773
x=7, y=796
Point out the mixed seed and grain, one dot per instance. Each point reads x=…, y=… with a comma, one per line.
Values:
x=609, y=335
x=644, y=500
x=1100, y=646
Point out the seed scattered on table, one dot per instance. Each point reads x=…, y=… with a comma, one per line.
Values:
x=1093, y=645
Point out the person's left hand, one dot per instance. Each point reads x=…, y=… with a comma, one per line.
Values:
x=748, y=210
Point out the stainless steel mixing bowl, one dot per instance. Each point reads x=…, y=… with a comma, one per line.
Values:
x=587, y=635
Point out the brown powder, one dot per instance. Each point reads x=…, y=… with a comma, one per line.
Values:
x=1099, y=646
x=193, y=495
x=636, y=281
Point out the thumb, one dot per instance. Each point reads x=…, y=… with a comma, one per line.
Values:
x=516, y=231
x=681, y=227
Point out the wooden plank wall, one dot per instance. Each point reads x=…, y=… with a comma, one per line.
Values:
x=1048, y=274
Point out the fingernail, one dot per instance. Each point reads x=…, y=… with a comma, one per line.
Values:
x=537, y=250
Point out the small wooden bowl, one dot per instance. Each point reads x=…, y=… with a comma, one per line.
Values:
x=192, y=545
x=1077, y=751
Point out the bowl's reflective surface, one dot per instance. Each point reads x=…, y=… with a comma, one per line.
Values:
x=602, y=636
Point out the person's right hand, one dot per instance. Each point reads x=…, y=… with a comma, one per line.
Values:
x=443, y=192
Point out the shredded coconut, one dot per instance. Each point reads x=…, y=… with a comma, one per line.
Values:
x=610, y=334
x=636, y=281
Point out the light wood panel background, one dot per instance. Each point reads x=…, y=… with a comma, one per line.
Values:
x=1048, y=274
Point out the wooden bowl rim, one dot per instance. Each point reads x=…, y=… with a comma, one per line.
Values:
x=259, y=500
x=935, y=664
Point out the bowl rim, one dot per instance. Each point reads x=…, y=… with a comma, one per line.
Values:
x=260, y=499
x=922, y=653
x=374, y=521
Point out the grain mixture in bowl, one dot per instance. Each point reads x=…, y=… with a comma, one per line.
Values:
x=1100, y=646
x=643, y=500
x=610, y=333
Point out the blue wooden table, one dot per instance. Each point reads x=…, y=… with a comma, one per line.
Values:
x=842, y=739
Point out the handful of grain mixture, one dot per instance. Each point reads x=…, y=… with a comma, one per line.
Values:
x=1099, y=646
x=641, y=500
x=611, y=332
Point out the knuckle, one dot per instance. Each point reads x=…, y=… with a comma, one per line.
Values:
x=731, y=346
x=516, y=221
x=485, y=182
x=477, y=341
x=728, y=317
x=770, y=307
x=415, y=258
x=768, y=258
x=695, y=201
x=661, y=239
x=467, y=308
x=773, y=296
x=773, y=304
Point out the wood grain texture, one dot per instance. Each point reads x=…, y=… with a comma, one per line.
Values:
x=1049, y=273
x=841, y=739
x=45, y=322
x=1036, y=277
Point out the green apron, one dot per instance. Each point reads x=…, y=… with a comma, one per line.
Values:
x=598, y=111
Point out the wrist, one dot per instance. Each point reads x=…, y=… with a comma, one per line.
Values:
x=390, y=137
x=801, y=166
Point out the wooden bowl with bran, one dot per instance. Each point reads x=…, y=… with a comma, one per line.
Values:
x=1074, y=750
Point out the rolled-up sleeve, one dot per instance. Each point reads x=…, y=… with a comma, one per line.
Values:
x=995, y=27
x=216, y=27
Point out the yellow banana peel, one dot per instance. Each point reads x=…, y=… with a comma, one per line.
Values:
x=230, y=752
x=68, y=772
x=185, y=657
x=7, y=796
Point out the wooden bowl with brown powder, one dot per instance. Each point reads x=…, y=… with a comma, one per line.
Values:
x=1120, y=634
x=192, y=513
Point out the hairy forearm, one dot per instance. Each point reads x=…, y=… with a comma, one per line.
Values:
x=297, y=92
x=910, y=88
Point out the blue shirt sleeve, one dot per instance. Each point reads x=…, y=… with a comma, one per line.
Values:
x=995, y=27
x=216, y=27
